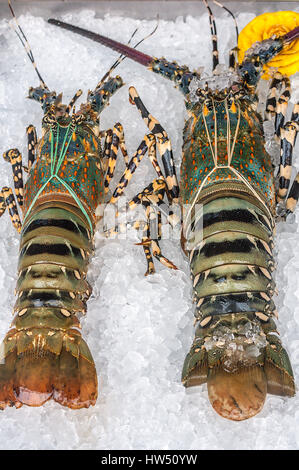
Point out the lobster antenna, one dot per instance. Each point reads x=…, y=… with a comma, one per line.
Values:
x=148, y=36
x=116, y=63
x=130, y=52
x=21, y=35
x=214, y=35
x=123, y=56
x=73, y=101
x=231, y=14
x=232, y=52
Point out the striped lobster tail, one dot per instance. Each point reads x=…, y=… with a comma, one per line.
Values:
x=236, y=347
x=44, y=353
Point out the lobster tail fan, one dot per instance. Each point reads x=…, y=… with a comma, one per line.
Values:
x=75, y=386
x=7, y=380
x=33, y=378
x=40, y=366
x=128, y=51
x=239, y=392
x=237, y=395
x=279, y=382
x=278, y=369
x=195, y=369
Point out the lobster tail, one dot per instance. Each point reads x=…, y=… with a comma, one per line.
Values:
x=41, y=364
x=236, y=349
x=44, y=355
x=238, y=379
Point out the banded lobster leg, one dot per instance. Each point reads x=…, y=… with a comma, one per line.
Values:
x=285, y=134
x=7, y=198
x=288, y=134
x=114, y=139
x=31, y=143
x=152, y=197
x=14, y=157
x=277, y=108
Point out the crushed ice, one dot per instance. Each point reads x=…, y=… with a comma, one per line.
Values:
x=243, y=345
x=222, y=78
x=138, y=329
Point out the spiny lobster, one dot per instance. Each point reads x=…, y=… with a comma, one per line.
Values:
x=43, y=355
x=227, y=172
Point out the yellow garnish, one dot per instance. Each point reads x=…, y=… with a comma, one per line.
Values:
x=264, y=27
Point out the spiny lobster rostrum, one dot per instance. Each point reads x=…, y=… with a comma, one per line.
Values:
x=228, y=184
x=43, y=355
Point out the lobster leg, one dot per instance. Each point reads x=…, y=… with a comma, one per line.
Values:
x=7, y=200
x=14, y=157
x=158, y=135
x=163, y=142
x=153, y=194
x=293, y=196
x=153, y=242
x=151, y=198
x=2, y=203
x=32, y=141
x=146, y=242
x=114, y=140
x=285, y=133
x=149, y=260
x=288, y=137
x=272, y=102
x=232, y=61
x=107, y=142
x=282, y=106
x=144, y=147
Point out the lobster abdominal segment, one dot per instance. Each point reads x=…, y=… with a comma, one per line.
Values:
x=232, y=274
x=60, y=255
